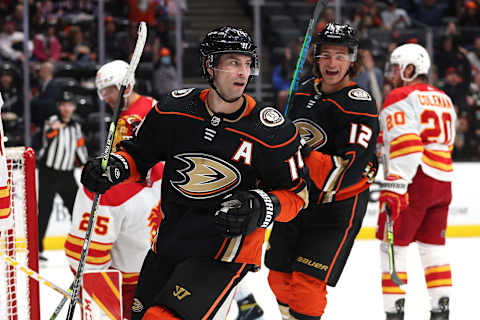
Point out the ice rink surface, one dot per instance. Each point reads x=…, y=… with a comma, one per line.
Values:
x=357, y=295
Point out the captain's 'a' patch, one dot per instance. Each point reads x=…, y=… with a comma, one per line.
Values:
x=359, y=94
x=181, y=92
x=271, y=117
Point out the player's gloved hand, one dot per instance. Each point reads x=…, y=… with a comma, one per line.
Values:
x=94, y=179
x=305, y=149
x=241, y=212
x=371, y=170
x=393, y=193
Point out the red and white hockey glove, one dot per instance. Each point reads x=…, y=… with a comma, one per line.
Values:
x=394, y=194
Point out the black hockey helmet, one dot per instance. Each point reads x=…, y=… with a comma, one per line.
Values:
x=227, y=39
x=337, y=34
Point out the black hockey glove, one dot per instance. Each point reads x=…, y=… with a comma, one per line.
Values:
x=241, y=212
x=94, y=179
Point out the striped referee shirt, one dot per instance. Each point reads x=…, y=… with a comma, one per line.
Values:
x=62, y=147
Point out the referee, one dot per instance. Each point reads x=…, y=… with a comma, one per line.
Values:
x=63, y=148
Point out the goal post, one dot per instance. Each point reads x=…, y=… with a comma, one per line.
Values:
x=19, y=294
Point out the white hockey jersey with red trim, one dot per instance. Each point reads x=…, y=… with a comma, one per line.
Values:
x=418, y=124
x=128, y=214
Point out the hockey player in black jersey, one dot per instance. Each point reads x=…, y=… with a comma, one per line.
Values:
x=339, y=123
x=232, y=167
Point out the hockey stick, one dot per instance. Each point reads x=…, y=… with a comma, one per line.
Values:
x=142, y=36
x=319, y=6
x=34, y=275
x=389, y=225
x=60, y=305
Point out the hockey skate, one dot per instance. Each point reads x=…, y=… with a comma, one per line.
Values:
x=399, y=314
x=442, y=311
x=248, y=309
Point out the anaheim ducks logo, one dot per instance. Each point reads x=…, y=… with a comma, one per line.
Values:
x=312, y=133
x=205, y=176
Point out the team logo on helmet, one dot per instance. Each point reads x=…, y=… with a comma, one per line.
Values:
x=359, y=94
x=182, y=92
x=271, y=117
x=137, y=306
x=312, y=133
x=205, y=176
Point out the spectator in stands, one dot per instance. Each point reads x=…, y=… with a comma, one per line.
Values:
x=114, y=41
x=144, y=10
x=430, y=13
x=370, y=77
x=77, y=49
x=282, y=78
x=17, y=17
x=367, y=16
x=45, y=104
x=394, y=18
x=11, y=93
x=470, y=16
x=457, y=90
x=12, y=109
x=474, y=56
x=449, y=55
x=327, y=17
x=11, y=43
x=462, y=148
x=46, y=46
x=475, y=116
x=164, y=75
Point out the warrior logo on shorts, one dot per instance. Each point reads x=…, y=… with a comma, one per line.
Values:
x=312, y=133
x=205, y=176
x=137, y=306
x=271, y=117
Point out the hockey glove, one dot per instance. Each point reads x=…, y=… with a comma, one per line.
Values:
x=371, y=170
x=241, y=212
x=95, y=180
x=393, y=193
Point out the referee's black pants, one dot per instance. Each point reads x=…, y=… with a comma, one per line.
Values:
x=50, y=182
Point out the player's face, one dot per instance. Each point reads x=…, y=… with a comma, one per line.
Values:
x=110, y=95
x=393, y=75
x=333, y=63
x=231, y=74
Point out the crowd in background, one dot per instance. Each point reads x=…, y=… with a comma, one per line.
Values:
x=64, y=44
x=63, y=51
x=383, y=25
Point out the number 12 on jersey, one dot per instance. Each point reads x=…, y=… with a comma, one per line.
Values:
x=360, y=134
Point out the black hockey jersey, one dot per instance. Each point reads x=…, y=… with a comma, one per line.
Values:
x=342, y=129
x=209, y=155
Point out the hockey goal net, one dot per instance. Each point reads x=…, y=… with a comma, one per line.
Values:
x=19, y=294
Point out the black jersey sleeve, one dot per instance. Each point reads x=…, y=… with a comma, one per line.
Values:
x=282, y=171
x=150, y=144
x=356, y=135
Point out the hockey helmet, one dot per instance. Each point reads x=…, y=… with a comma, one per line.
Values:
x=112, y=74
x=227, y=39
x=414, y=54
x=337, y=34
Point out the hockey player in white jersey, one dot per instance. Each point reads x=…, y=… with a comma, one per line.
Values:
x=129, y=214
x=418, y=123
